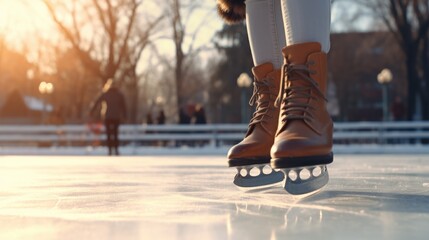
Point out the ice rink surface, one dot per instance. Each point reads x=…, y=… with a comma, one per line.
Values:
x=368, y=197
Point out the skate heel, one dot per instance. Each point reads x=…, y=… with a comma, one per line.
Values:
x=305, y=180
x=257, y=176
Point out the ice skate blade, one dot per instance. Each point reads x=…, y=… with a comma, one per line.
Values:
x=295, y=185
x=262, y=180
x=260, y=188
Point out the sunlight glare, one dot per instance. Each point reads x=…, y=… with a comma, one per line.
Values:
x=21, y=19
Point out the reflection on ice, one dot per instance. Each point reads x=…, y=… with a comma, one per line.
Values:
x=293, y=218
x=271, y=222
x=376, y=201
x=368, y=197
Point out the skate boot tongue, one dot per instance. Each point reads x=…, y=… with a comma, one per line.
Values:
x=262, y=70
x=298, y=84
x=261, y=74
x=297, y=58
x=298, y=53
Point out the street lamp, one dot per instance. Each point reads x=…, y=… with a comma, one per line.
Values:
x=30, y=74
x=244, y=81
x=160, y=101
x=226, y=99
x=384, y=78
x=45, y=88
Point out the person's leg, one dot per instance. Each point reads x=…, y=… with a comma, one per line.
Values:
x=307, y=21
x=266, y=37
x=266, y=31
x=108, y=127
x=115, y=126
x=303, y=143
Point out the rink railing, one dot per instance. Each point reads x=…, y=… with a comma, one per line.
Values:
x=196, y=135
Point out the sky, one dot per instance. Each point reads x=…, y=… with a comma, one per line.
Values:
x=19, y=19
x=22, y=21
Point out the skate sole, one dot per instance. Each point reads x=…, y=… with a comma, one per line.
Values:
x=240, y=162
x=294, y=162
x=255, y=176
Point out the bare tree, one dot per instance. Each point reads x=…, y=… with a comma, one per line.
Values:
x=2, y=47
x=408, y=20
x=77, y=86
x=233, y=45
x=108, y=37
x=180, y=14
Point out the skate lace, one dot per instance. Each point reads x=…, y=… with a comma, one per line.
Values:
x=263, y=106
x=289, y=95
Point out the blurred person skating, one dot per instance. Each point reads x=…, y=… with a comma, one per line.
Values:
x=160, y=119
x=200, y=115
x=149, y=120
x=184, y=117
x=290, y=129
x=398, y=110
x=200, y=119
x=113, y=111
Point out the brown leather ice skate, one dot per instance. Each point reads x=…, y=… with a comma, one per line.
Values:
x=253, y=152
x=303, y=143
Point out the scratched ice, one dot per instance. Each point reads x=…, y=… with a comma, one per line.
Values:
x=368, y=197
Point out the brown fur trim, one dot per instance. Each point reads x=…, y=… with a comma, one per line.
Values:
x=232, y=11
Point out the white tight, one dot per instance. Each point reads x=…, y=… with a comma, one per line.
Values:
x=266, y=32
x=273, y=24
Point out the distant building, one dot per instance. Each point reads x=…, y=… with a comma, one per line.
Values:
x=18, y=109
x=333, y=105
x=355, y=60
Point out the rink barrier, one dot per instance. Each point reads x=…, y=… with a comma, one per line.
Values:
x=195, y=135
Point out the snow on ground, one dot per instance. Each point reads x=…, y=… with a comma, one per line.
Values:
x=192, y=197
